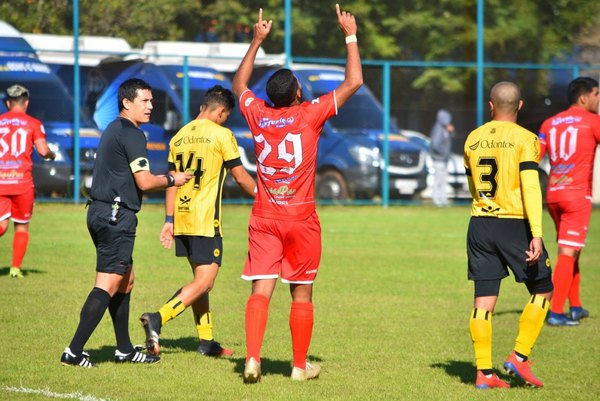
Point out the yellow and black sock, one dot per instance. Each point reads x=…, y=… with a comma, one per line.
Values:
x=480, y=326
x=530, y=324
x=204, y=326
x=173, y=308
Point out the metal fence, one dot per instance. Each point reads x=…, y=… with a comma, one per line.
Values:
x=407, y=109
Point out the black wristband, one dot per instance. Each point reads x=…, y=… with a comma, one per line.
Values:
x=170, y=180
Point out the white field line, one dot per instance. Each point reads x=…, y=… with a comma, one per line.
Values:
x=51, y=394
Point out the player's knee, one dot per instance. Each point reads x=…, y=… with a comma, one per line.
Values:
x=543, y=287
x=3, y=228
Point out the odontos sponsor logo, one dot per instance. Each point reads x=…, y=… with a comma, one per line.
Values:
x=485, y=144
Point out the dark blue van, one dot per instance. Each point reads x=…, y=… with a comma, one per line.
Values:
x=50, y=103
x=100, y=86
x=350, y=159
x=200, y=79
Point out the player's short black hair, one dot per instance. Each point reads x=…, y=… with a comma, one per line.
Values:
x=128, y=90
x=580, y=86
x=219, y=96
x=282, y=87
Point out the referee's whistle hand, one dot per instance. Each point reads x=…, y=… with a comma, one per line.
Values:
x=182, y=178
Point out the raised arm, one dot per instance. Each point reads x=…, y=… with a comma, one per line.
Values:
x=354, y=77
x=244, y=72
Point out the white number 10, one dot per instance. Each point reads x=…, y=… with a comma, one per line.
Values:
x=282, y=153
x=567, y=143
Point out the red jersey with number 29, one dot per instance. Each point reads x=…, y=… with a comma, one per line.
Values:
x=570, y=138
x=285, y=142
x=18, y=132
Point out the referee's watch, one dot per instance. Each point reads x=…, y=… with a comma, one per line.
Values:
x=170, y=180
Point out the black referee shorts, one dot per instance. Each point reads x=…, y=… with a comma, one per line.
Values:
x=494, y=245
x=114, y=242
x=201, y=250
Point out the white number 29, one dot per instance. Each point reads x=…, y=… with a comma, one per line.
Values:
x=294, y=156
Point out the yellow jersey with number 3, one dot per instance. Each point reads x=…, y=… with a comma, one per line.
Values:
x=206, y=149
x=495, y=154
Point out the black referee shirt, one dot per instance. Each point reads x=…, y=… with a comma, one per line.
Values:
x=121, y=144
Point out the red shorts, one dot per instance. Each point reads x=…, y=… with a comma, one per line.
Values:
x=291, y=249
x=18, y=207
x=571, y=220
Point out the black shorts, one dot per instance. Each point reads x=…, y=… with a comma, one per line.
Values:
x=494, y=245
x=114, y=242
x=201, y=250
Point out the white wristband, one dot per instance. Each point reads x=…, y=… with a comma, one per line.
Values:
x=351, y=39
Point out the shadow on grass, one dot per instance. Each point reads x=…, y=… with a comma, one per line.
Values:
x=5, y=271
x=269, y=366
x=508, y=312
x=106, y=353
x=466, y=371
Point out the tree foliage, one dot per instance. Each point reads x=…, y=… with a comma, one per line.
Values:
x=515, y=30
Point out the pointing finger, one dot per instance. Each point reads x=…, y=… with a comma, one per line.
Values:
x=259, y=14
x=337, y=10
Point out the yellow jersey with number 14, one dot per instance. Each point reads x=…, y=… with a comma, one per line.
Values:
x=494, y=155
x=206, y=149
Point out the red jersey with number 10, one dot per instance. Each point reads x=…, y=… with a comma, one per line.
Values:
x=570, y=138
x=18, y=132
x=285, y=143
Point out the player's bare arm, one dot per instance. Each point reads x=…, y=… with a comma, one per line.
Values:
x=354, y=77
x=166, y=234
x=244, y=180
x=41, y=146
x=242, y=76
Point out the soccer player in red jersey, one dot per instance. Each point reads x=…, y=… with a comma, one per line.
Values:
x=284, y=229
x=19, y=134
x=570, y=138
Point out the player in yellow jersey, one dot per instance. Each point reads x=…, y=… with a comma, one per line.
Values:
x=193, y=214
x=505, y=231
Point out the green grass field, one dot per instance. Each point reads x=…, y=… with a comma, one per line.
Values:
x=391, y=316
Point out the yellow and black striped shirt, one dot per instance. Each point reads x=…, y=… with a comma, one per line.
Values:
x=208, y=149
x=501, y=160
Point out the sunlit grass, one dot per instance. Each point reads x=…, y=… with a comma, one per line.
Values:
x=391, y=304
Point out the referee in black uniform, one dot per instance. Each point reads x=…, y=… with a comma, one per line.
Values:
x=121, y=175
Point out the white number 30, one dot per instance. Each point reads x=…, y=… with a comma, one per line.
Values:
x=18, y=142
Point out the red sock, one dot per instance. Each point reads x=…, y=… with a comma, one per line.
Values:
x=562, y=278
x=301, y=325
x=19, y=247
x=257, y=312
x=574, y=300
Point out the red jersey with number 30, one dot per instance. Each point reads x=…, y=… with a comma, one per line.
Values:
x=18, y=132
x=570, y=138
x=285, y=143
